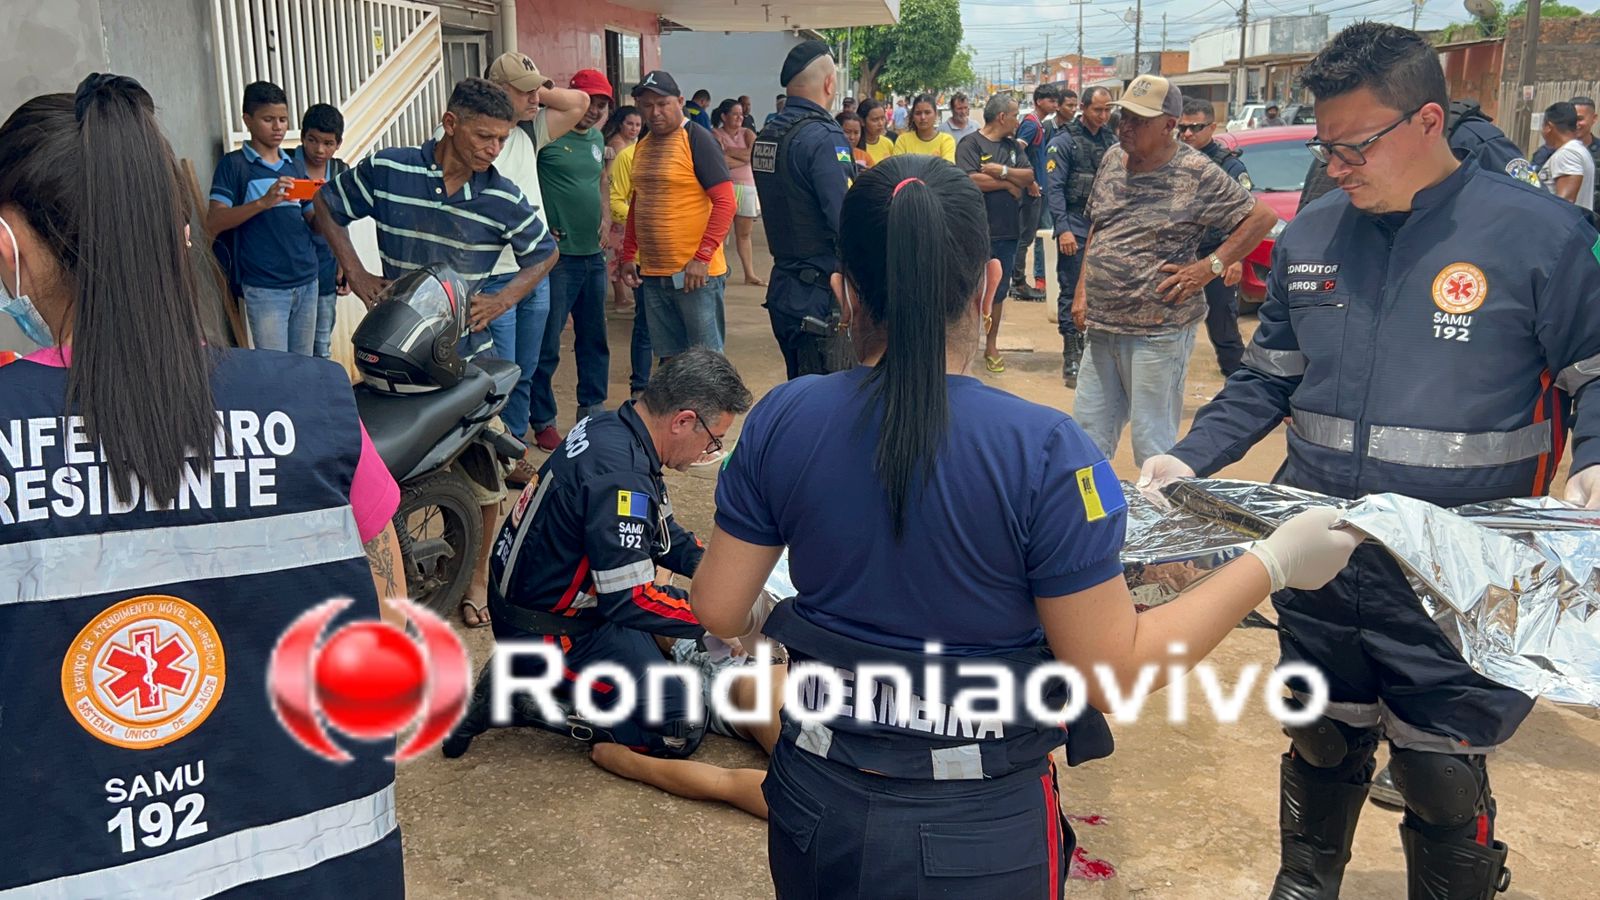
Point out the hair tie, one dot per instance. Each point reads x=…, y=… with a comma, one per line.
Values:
x=902, y=184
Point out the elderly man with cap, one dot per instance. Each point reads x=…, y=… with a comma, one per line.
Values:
x=1140, y=295
x=803, y=164
x=544, y=113
x=572, y=173
x=682, y=209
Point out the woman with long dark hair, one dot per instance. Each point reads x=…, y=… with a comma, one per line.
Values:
x=933, y=521
x=167, y=510
x=737, y=140
x=874, y=122
x=925, y=136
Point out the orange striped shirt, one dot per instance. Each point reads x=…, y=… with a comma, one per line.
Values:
x=672, y=211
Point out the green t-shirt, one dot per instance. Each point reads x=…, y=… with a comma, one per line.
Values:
x=569, y=179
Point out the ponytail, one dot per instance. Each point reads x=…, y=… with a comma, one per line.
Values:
x=914, y=241
x=98, y=182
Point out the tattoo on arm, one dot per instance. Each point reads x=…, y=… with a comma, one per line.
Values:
x=382, y=563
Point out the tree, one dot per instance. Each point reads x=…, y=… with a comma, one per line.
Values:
x=958, y=74
x=1494, y=25
x=916, y=54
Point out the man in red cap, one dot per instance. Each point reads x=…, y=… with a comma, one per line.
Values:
x=577, y=203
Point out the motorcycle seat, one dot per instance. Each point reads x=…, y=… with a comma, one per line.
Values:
x=404, y=427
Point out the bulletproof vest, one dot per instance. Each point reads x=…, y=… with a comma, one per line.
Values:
x=796, y=228
x=933, y=742
x=1086, y=156
x=141, y=755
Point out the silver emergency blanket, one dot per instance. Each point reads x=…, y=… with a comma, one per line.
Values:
x=1514, y=584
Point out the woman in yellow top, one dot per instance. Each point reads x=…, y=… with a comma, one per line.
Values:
x=874, y=122
x=925, y=137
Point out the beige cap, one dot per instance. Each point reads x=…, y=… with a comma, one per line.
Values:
x=1150, y=96
x=517, y=70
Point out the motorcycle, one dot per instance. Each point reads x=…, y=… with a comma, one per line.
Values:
x=436, y=445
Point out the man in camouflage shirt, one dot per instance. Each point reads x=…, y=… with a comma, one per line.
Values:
x=1140, y=296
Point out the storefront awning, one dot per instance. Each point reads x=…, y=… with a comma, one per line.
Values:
x=769, y=15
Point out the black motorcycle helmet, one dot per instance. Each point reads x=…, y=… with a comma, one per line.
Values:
x=407, y=342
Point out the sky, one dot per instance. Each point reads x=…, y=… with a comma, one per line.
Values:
x=996, y=29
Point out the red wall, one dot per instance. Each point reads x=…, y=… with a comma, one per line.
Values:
x=558, y=34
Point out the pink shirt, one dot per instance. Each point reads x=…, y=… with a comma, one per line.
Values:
x=374, y=496
x=741, y=141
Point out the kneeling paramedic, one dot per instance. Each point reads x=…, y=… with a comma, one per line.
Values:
x=1427, y=328
x=575, y=563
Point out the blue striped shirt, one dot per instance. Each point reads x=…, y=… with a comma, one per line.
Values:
x=403, y=189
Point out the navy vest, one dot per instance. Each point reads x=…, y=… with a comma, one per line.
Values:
x=139, y=752
x=932, y=743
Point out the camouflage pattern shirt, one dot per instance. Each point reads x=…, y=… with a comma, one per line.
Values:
x=1144, y=221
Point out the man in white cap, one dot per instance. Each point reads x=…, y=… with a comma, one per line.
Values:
x=1140, y=294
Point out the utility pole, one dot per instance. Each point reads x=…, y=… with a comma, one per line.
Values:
x=1046, y=64
x=1244, y=79
x=1416, y=10
x=1526, y=76
x=1163, y=32
x=1138, y=26
x=1078, y=66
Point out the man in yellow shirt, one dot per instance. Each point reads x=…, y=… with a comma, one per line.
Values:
x=925, y=136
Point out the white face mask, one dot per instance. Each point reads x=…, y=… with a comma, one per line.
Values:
x=19, y=306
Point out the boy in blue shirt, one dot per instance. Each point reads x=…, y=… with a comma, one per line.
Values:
x=321, y=133
x=273, y=259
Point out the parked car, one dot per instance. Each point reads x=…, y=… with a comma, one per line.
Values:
x=1299, y=114
x=1278, y=160
x=1248, y=118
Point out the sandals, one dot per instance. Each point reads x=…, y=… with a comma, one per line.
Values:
x=994, y=364
x=521, y=474
x=480, y=613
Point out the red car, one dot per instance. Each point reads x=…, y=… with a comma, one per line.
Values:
x=1278, y=160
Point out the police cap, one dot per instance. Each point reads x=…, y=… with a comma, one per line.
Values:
x=800, y=57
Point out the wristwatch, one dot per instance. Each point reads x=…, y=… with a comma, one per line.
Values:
x=1216, y=265
x=1005, y=171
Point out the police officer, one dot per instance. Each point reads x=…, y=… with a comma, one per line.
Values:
x=166, y=512
x=1198, y=129
x=1071, y=161
x=1468, y=129
x=922, y=507
x=575, y=563
x=1430, y=329
x=803, y=164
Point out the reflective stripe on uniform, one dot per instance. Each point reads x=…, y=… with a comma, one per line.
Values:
x=958, y=763
x=608, y=581
x=242, y=857
x=1283, y=363
x=1578, y=374
x=1457, y=449
x=1327, y=431
x=522, y=530
x=63, y=568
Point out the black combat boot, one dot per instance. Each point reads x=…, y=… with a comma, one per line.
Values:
x=1317, y=822
x=1457, y=869
x=1071, y=355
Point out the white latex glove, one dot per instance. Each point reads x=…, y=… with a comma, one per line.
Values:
x=1583, y=488
x=1306, y=552
x=1160, y=471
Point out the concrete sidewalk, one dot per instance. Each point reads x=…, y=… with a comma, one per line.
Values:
x=1187, y=811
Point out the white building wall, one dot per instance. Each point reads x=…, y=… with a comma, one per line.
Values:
x=729, y=65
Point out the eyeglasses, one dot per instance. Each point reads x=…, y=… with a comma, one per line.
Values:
x=716, y=443
x=1186, y=129
x=1351, y=154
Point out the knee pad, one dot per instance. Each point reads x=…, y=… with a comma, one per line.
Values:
x=1331, y=744
x=1444, y=790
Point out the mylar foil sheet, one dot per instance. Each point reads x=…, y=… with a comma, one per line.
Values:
x=1169, y=548
x=1512, y=583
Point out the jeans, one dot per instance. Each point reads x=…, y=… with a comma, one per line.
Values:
x=327, y=312
x=517, y=336
x=1003, y=250
x=679, y=319
x=1068, y=268
x=283, y=318
x=578, y=286
x=1139, y=374
x=1222, y=324
x=1027, y=224
x=639, y=345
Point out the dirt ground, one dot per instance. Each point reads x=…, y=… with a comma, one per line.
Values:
x=1184, y=812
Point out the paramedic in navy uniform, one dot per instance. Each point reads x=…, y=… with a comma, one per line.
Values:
x=920, y=505
x=1424, y=329
x=167, y=509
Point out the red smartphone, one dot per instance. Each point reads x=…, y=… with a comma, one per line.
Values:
x=303, y=189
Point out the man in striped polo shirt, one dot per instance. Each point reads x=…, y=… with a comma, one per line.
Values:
x=443, y=202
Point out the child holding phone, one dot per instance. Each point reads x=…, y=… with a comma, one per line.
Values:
x=268, y=235
x=321, y=133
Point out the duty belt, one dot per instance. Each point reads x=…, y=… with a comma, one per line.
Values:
x=1424, y=447
x=536, y=621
